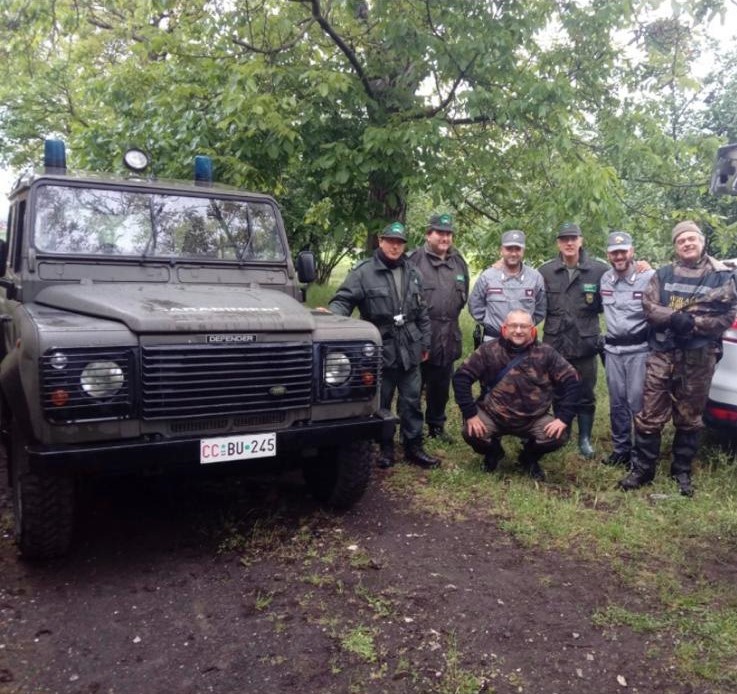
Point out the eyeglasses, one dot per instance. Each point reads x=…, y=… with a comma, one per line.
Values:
x=522, y=327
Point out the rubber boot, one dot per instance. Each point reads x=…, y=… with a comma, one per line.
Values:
x=417, y=455
x=493, y=456
x=685, y=446
x=644, y=461
x=585, y=425
x=617, y=459
x=437, y=431
x=529, y=460
x=386, y=455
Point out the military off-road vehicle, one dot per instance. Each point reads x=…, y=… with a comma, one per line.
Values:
x=155, y=325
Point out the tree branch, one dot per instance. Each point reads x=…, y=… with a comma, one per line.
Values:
x=305, y=27
x=344, y=48
x=481, y=212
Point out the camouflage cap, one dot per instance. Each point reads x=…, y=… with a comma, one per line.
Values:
x=514, y=237
x=440, y=222
x=395, y=230
x=618, y=241
x=569, y=229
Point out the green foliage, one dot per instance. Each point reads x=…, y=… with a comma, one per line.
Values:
x=349, y=117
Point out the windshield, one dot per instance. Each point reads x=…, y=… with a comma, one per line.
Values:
x=95, y=221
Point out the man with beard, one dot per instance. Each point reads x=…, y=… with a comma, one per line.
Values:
x=689, y=304
x=508, y=284
x=524, y=379
x=625, y=343
x=445, y=288
x=572, y=319
x=388, y=293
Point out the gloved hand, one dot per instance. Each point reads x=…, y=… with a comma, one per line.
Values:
x=682, y=323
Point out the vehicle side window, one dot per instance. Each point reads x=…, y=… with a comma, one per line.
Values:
x=16, y=220
x=8, y=240
x=17, y=231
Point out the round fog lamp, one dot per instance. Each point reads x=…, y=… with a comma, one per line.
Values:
x=101, y=379
x=369, y=349
x=337, y=368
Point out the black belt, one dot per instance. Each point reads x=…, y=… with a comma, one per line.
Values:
x=636, y=339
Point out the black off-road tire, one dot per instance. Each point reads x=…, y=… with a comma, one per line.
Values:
x=338, y=477
x=43, y=506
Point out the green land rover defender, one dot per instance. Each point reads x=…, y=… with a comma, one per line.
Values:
x=155, y=325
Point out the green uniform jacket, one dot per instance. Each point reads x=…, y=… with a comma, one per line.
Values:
x=574, y=305
x=370, y=286
x=445, y=288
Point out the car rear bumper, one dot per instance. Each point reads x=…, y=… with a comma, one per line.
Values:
x=142, y=454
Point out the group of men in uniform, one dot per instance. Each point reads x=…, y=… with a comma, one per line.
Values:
x=662, y=341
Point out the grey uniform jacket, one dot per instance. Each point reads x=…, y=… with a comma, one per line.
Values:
x=626, y=323
x=445, y=288
x=370, y=286
x=496, y=293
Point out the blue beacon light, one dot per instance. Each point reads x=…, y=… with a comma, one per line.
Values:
x=203, y=170
x=55, y=158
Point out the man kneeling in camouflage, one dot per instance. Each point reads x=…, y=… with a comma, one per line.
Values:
x=523, y=379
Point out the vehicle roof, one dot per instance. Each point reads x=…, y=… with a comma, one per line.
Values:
x=26, y=179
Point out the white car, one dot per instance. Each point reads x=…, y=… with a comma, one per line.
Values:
x=721, y=407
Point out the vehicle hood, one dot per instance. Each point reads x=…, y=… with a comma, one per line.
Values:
x=163, y=308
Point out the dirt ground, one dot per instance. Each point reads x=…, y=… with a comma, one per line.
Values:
x=243, y=586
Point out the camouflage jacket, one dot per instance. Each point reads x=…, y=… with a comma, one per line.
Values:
x=706, y=290
x=527, y=390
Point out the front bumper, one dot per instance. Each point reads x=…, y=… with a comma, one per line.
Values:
x=183, y=453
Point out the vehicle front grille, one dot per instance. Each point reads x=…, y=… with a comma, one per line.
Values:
x=223, y=380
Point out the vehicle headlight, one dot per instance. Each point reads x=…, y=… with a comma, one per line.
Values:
x=101, y=379
x=337, y=368
x=369, y=349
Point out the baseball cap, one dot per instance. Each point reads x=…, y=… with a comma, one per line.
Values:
x=618, y=241
x=683, y=227
x=395, y=230
x=440, y=222
x=569, y=229
x=515, y=237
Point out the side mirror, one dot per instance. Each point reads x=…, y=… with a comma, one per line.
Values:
x=724, y=175
x=306, y=267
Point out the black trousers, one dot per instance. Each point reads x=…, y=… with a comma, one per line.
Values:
x=436, y=384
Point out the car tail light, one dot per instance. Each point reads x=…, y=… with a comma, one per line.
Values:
x=722, y=414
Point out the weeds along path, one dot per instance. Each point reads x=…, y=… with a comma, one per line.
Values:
x=243, y=586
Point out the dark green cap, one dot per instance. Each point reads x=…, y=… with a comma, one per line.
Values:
x=440, y=222
x=395, y=230
x=569, y=229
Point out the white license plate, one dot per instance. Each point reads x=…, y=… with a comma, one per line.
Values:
x=243, y=447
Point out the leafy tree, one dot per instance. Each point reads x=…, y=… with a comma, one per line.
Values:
x=346, y=110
